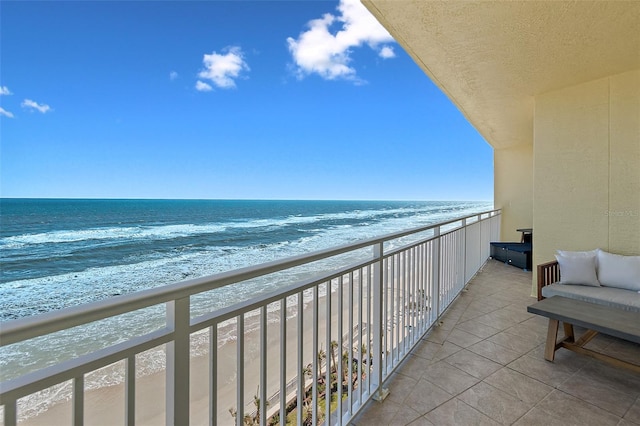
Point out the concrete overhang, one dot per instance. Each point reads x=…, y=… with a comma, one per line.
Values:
x=493, y=57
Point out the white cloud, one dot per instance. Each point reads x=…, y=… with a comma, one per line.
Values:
x=203, y=87
x=173, y=75
x=6, y=113
x=29, y=104
x=387, y=52
x=4, y=90
x=328, y=54
x=223, y=69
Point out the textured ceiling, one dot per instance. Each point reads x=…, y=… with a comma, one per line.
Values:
x=492, y=58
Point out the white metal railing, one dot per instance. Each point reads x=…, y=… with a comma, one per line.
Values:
x=334, y=337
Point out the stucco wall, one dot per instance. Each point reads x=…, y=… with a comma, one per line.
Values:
x=513, y=189
x=587, y=167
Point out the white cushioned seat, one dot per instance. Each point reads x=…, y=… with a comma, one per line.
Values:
x=608, y=296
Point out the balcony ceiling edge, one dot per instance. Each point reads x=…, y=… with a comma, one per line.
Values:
x=492, y=58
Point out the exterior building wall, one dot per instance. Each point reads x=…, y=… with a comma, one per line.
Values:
x=513, y=189
x=586, y=176
x=624, y=178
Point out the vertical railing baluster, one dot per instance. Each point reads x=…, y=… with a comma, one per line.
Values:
x=436, y=271
x=316, y=361
x=403, y=305
x=301, y=372
x=327, y=358
x=421, y=286
x=393, y=310
x=350, y=351
x=378, y=331
x=360, y=339
x=10, y=413
x=263, y=365
x=369, y=323
x=411, y=296
x=177, y=392
x=340, y=346
x=213, y=374
x=130, y=391
x=385, y=309
x=240, y=371
x=425, y=282
x=283, y=362
x=409, y=300
x=78, y=401
x=415, y=296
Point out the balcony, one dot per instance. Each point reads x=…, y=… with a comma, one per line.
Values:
x=339, y=324
x=484, y=365
x=418, y=314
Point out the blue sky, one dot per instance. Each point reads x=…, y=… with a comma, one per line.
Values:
x=215, y=99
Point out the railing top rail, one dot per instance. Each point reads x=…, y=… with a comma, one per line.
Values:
x=38, y=325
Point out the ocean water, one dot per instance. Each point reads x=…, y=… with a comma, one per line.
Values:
x=56, y=253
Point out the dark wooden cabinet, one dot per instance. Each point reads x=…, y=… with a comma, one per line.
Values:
x=516, y=254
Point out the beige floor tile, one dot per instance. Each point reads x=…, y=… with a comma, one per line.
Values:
x=518, y=312
x=494, y=403
x=462, y=338
x=404, y=416
x=514, y=342
x=446, y=350
x=470, y=314
x=402, y=386
x=537, y=368
x=377, y=413
x=413, y=366
x=499, y=319
x=633, y=415
x=457, y=413
x=438, y=335
x=481, y=330
x=575, y=411
x=474, y=364
x=449, y=378
x=426, y=349
x=524, y=388
x=600, y=394
x=426, y=397
x=538, y=417
x=494, y=352
x=421, y=421
x=535, y=334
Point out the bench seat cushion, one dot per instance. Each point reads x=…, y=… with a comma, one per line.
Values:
x=627, y=300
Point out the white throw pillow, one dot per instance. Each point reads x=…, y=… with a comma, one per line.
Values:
x=578, y=270
x=615, y=270
x=589, y=253
x=568, y=253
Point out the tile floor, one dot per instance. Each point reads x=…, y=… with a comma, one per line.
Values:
x=484, y=365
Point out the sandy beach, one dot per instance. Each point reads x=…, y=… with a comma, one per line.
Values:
x=105, y=406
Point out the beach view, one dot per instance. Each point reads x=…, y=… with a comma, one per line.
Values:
x=97, y=249
x=266, y=197
x=319, y=212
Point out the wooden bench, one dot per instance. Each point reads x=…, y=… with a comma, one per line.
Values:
x=595, y=318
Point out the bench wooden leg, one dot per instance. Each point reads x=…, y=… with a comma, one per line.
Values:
x=568, y=332
x=552, y=336
x=586, y=337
